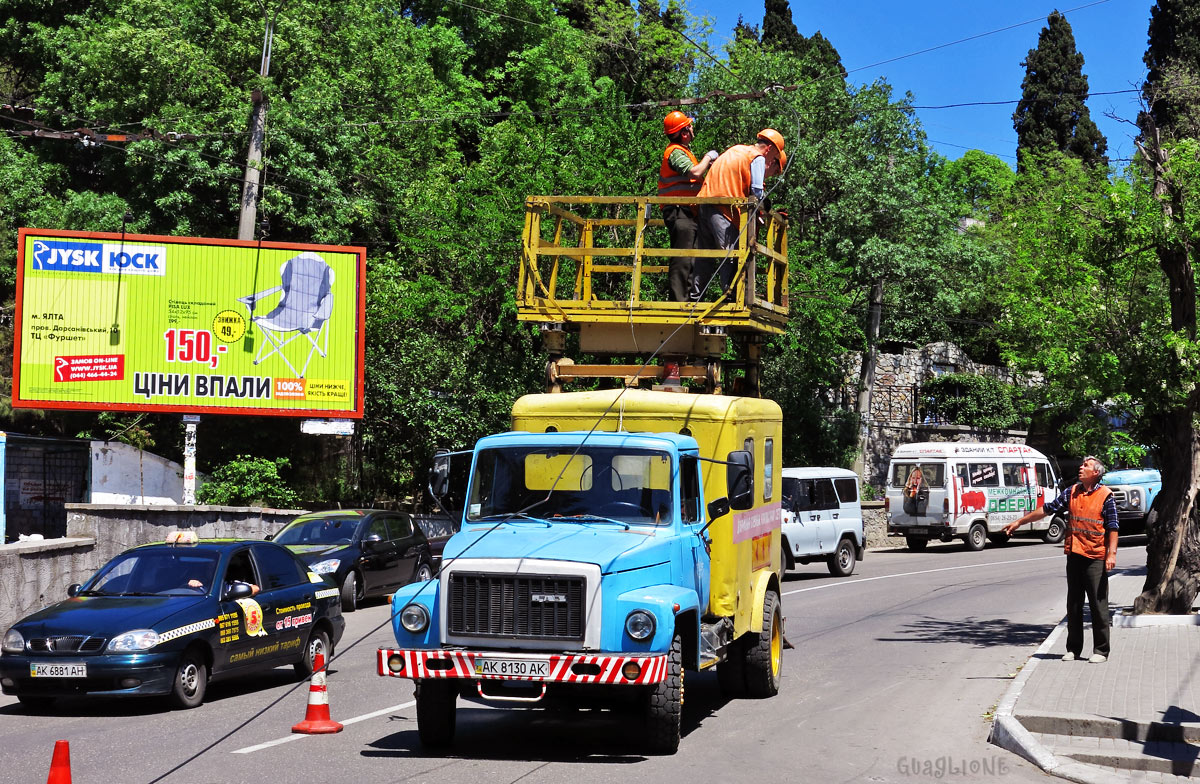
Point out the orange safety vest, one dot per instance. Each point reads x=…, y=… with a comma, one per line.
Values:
x=671, y=182
x=729, y=175
x=1085, y=530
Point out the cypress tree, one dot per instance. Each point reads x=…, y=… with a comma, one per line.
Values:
x=1052, y=113
x=1173, y=62
x=778, y=30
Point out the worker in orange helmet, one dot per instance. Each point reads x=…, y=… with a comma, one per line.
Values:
x=738, y=172
x=681, y=175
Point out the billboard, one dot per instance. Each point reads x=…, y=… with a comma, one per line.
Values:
x=127, y=322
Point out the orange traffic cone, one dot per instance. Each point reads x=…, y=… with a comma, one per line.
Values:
x=316, y=718
x=60, y=764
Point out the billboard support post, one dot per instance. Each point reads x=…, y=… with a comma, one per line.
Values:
x=189, y=459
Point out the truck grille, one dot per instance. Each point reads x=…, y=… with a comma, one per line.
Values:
x=546, y=607
x=1119, y=499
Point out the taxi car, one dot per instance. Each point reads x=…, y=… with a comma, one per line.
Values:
x=168, y=618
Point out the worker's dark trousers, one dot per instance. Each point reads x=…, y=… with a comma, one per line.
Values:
x=1087, y=576
x=685, y=232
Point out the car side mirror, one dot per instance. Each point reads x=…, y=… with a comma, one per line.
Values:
x=439, y=474
x=717, y=507
x=739, y=479
x=238, y=590
x=269, y=537
x=371, y=541
x=73, y=589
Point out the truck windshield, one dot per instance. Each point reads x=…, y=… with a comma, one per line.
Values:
x=630, y=485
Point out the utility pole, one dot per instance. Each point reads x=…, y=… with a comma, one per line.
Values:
x=258, y=128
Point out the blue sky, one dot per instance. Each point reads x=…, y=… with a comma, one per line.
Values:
x=1111, y=35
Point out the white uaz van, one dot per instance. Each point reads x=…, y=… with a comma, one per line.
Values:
x=822, y=518
x=943, y=490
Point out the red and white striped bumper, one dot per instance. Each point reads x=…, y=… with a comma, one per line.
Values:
x=563, y=668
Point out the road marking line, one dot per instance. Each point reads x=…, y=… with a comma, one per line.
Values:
x=926, y=571
x=355, y=720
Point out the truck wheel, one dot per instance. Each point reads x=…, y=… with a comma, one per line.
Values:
x=841, y=562
x=916, y=543
x=976, y=537
x=436, y=705
x=664, y=705
x=764, y=652
x=1055, y=531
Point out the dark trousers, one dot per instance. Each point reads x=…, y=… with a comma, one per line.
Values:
x=1087, y=576
x=685, y=232
x=716, y=233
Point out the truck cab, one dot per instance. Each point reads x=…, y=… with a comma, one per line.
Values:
x=610, y=542
x=1134, y=491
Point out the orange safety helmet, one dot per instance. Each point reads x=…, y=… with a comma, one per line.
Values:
x=773, y=136
x=675, y=122
x=782, y=160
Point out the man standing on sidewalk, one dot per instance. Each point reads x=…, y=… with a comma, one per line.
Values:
x=1091, y=547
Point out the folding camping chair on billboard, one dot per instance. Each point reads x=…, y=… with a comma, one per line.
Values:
x=304, y=308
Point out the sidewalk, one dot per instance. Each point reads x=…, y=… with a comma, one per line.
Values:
x=1134, y=718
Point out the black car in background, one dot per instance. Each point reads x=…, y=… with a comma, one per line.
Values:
x=365, y=552
x=165, y=619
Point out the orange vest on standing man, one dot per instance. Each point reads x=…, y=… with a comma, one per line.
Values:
x=729, y=175
x=671, y=182
x=1085, y=529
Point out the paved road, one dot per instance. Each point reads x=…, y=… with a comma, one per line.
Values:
x=893, y=673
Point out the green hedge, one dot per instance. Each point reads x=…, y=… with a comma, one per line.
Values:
x=968, y=399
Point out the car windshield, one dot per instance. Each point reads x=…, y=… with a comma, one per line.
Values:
x=628, y=485
x=172, y=571
x=319, y=530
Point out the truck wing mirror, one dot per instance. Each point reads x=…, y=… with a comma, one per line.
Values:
x=439, y=474
x=739, y=479
x=716, y=508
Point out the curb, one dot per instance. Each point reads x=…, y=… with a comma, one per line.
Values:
x=1008, y=733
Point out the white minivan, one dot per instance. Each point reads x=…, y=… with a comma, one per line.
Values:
x=822, y=518
x=943, y=490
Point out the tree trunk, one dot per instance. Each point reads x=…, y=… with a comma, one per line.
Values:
x=866, y=379
x=1173, y=547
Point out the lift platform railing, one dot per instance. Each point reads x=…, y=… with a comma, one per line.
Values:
x=594, y=259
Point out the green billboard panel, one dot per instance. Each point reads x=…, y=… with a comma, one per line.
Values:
x=184, y=324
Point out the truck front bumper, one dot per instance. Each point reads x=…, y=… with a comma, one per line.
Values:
x=606, y=669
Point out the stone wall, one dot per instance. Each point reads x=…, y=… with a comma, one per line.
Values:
x=894, y=409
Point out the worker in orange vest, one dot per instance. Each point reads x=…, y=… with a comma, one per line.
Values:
x=738, y=172
x=1091, y=548
x=681, y=175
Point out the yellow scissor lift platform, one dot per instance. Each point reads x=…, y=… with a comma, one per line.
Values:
x=598, y=265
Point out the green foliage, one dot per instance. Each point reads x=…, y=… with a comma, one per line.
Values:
x=1052, y=114
x=970, y=399
x=249, y=481
x=1171, y=57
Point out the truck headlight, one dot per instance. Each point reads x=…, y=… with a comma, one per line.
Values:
x=13, y=641
x=328, y=566
x=1135, y=499
x=136, y=640
x=414, y=618
x=639, y=625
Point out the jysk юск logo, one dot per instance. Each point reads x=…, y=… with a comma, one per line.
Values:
x=68, y=256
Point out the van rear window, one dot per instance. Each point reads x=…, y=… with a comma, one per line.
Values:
x=934, y=474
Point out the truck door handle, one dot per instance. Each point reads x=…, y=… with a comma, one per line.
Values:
x=835, y=515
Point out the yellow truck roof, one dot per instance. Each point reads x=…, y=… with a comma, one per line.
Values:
x=636, y=407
